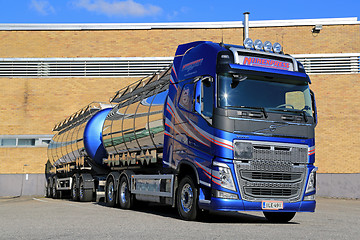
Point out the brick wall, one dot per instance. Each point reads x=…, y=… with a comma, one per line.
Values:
x=163, y=42
x=34, y=105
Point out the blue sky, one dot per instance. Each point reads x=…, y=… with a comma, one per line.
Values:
x=147, y=11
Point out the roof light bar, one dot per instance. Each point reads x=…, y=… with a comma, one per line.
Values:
x=266, y=46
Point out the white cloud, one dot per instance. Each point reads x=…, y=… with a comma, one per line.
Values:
x=119, y=8
x=42, y=7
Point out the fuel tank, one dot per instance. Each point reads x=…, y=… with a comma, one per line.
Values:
x=79, y=136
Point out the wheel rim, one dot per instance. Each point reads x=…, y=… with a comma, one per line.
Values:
x=110, y=191
x=123, y=192
x=187, y=196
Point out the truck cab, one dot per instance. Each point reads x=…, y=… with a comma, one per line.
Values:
x=244, y=118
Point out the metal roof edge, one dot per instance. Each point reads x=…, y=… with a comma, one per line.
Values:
x=173, y=25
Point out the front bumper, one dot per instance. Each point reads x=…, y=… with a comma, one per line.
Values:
x=219, y=204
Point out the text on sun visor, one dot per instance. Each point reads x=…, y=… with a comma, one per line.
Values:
x=264, y=62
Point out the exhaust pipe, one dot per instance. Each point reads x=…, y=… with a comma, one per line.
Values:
x=246, y=25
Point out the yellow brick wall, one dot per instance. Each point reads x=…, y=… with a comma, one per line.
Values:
x=163, y=42
x=34, y=105
x=338, y=131
x=13, y=160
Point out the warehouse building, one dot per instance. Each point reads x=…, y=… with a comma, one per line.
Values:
x=49, y=71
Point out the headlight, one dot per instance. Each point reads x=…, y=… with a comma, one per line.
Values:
x=225, y=179
x=243, y=150
x=311, y=185
x=222, y=194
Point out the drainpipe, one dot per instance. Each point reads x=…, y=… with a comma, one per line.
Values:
x=246, y=25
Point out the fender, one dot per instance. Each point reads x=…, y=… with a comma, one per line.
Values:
x=191, y=165
x=116, y=177
x=88, y=181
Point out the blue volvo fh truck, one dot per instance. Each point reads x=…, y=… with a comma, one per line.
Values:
x=225, y=128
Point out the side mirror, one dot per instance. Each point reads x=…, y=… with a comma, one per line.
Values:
x=314, y=106
x=197, y=104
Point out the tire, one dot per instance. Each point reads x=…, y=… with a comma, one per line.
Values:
x=187, y=199
x=279, y=217
x=126, y=199
x=55, y=193
x=85, y=195
x=48, y=189
x=74, y=191
x=110, y=192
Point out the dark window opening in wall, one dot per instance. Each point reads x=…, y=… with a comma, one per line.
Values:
x=26, y=142
x=7, y=142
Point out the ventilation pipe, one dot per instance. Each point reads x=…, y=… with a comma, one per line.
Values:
x=246, y=25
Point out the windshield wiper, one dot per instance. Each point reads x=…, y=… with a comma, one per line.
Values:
x=255, y=108
x=302, y=112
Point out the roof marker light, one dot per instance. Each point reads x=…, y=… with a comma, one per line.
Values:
x=248, y=43
x=277, y=47
x=267, y=46
x=258, y=44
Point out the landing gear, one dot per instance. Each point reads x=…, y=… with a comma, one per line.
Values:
x=187, y=199
x=279, y=217
x=125, y=198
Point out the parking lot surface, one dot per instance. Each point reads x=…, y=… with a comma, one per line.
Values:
x=44, y=218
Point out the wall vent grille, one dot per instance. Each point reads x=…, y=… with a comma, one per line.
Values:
x=342, y=63
x=81, y=67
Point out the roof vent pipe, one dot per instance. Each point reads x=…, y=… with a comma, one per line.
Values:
x=246, y=25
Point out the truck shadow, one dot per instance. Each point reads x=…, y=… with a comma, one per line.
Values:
x=211, y=217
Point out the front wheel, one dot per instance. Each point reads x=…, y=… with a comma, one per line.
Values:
x=279, y=217
x=186, y=199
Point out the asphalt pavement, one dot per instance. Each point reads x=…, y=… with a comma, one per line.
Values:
x=44, y=218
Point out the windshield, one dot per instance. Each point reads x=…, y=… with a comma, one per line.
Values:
x=242, y=92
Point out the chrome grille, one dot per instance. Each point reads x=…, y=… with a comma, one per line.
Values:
x=274, y=171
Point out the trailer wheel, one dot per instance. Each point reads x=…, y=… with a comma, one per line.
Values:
x=279, y=217
x=48, y=189
x=186, y=199
x=110, y=192
x=55, y=193
x=74, y=191
x=126, y=199
x=85, y=195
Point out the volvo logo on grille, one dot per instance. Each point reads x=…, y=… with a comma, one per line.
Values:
x=272, y=128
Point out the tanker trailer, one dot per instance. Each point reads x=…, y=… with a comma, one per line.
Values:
x=75, y=153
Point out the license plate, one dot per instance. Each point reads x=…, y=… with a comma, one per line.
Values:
x=272, y=205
